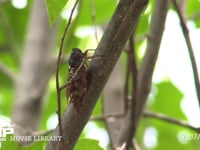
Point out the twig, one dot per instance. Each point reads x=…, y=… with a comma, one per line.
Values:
x=170, y=120
x=131, y=69
x=93, y=13
x=134, y=71
x=26, y=131
x=43, y=133
x=135, y=145
x=152, y=115
x=126, y=92
x=122, y=147
x=4, y=69
x=9, y=35
x=101, y=118
x=190, y=49
x=58, y=66
x=133, y=106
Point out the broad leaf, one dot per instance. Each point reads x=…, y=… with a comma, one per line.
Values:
x=85, y=144
x=54, y=7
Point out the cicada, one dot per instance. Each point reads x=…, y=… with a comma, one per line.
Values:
x=77, y=83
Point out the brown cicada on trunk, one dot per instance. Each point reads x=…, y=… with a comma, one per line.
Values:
x=77, y=83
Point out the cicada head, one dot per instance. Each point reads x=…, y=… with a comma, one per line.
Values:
x=75, y=58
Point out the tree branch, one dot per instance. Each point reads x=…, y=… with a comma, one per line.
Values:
x=151, y=115
x=170, y=120
x=118, y=31
x=9, y=35
x=152, y=50
x=93, y=15
x=5, y=70
x=190, y=49
x=134, y=71
x=145, y=72
x=58, y=67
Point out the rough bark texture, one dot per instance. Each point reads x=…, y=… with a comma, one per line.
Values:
x=118, y=31
x=36, y=68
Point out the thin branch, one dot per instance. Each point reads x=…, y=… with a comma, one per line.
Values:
x=134, y=103
x=135, y=145
x=131, y=70
x=122, y=147
x=134, y=71
x=190, y=49
x=26, y=131
x=151, y=115
x=126, y=85
x=9, y=35
x=170, y=120
x=93, y=13
x=58, y=67
x=102, y=118
x=43, y=133
x=4, y=69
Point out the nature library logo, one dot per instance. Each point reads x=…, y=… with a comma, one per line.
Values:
x=4, y=132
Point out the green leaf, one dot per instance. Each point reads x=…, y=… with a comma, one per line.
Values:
x=13, y=24
x=85, y=144
x=98, y=107
x=54, y=8
x=102, y=13
x=192, y=7
x=9, y=144
x=143, y=25
x=168, y=100
x=35, y=146
x=192, y=12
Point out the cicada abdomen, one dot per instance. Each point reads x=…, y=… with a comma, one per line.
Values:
x=77, y=79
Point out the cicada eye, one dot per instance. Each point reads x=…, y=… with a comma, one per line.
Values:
x=72, y=63
x=76, y=50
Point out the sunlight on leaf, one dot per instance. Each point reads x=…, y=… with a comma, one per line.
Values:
x=85, y=144
x=54, y=7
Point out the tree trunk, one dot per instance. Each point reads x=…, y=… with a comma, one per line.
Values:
x=36, y=68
